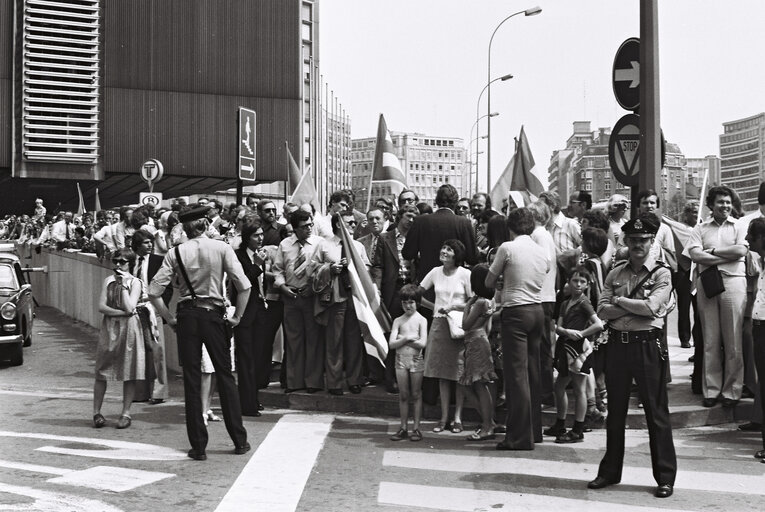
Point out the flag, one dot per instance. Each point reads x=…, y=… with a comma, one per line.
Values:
x=374, y=319
x=97, y=207
x=81, y=206
x=293, y=173
x=305, y=191
x=387, y=168
x=680, y=234
x=520, y=175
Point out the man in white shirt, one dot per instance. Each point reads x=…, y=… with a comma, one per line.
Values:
x=566, y=232
x=339, y=201
x=63, y=231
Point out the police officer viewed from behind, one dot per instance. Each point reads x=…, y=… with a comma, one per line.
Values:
x=200, y=318
x=635, y=298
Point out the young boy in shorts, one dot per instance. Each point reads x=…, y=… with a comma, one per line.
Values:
x=408, y=337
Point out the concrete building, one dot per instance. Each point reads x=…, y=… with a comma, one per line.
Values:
x=89, y=90
x=428, y=162
x=696, y=169
x=742, y=157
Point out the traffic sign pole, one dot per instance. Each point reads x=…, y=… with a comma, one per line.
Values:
x=651, y=143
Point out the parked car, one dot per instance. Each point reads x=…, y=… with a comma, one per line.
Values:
x=17, y=308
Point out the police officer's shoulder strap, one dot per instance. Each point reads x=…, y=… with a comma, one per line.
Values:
x=646, y=278
x=183, y=273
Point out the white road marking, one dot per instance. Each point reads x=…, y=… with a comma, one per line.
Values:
x=276, y=474
x=35, y=468
x=480, y=464
x=109, y=478
x=52, y=501
x=118, y=450
x=473, y=500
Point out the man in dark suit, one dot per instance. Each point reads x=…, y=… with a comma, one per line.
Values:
x=394, y=273
x=428, y=233
x=370, y=241
x=145, y=265
x=248, y=335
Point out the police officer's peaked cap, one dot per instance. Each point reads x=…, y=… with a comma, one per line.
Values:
x=645, y=224
x=199, y=212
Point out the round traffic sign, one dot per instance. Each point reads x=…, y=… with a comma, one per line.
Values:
x=624, y=150
x=152, y=171
x=625, y=76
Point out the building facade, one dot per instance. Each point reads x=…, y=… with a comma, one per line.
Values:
x=89, y=90
x=428, y=162
x=742, y=157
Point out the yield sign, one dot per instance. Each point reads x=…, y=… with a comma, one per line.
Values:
x=624, y=150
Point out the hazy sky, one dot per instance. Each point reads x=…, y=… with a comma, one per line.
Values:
x=423, y=63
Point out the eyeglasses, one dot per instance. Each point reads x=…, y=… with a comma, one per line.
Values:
x=407, y=200
x=351, y=222
x=119, y=261
x=303, y=226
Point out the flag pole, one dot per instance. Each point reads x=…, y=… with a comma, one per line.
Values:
x=701, y=196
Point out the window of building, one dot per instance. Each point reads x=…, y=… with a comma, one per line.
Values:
x=446, y=179
x=434, y=179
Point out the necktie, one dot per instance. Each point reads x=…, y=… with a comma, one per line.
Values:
x=66, y=228
x=375, y=239
x=139, y=267
x=301, y=257
x=259, y=279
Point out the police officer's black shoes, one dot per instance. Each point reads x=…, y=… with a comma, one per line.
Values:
x=709, y=402
x=600, y=482
x=663, y=491
x=197, y=455
x=241, y=450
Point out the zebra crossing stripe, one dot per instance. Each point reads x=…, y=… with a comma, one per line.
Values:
x=480, y=464
x=276, y=475
x=470, y=500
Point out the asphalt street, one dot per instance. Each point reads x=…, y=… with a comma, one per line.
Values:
x=52, y=459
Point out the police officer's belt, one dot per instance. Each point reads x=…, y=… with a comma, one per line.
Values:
x=617, y=336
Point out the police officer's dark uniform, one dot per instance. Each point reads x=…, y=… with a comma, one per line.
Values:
x=201, y=319
x=634, y=301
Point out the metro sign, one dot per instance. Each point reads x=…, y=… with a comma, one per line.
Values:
x=246, y=144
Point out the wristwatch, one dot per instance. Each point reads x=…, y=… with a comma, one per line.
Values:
x=712, y=252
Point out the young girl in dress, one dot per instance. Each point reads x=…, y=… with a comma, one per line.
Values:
x=577, y=323
x=479, y=367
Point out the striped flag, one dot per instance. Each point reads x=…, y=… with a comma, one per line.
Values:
x=680, y=234
x=387, y=168
x=293, y=173
x=374, y=319
x=305, y=191
x=81, y=206
x=520, y=175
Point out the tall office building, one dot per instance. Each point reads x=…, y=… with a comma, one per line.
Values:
x=696, y=169
x=428, y=162
x=742, y=157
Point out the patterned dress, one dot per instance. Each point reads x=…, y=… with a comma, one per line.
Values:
x=120, y=355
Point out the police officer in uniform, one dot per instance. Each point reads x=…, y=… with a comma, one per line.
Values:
x=635, y=298
x=200, y=318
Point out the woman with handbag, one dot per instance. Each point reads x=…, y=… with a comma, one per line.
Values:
x=444, y=353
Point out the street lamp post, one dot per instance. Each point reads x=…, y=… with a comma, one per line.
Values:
x=528, y=12
x=472, y=155
x=489, y=114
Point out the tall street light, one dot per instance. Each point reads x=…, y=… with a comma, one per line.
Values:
x=470, y=145
x=489, y=114
x=528, y=12
x=478, y=136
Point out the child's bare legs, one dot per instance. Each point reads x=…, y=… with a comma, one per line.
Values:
x=128, y=392
x=459, y=403
x=486, y=405
x=580, y=395
x=444, y=388
x=99, y=390
x=416, y=395
x=402, y=377
x=561, y=399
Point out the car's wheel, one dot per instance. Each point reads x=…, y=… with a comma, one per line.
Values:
x=26, y=334
x=17, y=355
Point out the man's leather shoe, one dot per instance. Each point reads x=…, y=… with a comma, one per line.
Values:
x=760, y=454
x=197, y=455
x=155, y=401
x=254, y=414
x=750, y=426
x=600, y=482
x=241, y=450
x=692, y=358
x=709, y=402
x=663, y=491
x=292, y=390
x=685, y=344
x=390, y=388
x=729, y=402
x=260, y=406
x=336, y=392
x=313, y=390
x=747, y=393
x=355, y=389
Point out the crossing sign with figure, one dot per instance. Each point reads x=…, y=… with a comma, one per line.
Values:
x=246, y=144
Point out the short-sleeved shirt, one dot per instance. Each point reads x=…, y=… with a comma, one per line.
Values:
x=758, y=310
x=287, y=255
x=566, y=233
x=543, y=237
x=523, y=265
x=450, y=290
x=577, y=315
x=710, y=234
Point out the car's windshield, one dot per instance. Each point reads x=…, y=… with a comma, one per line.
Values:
x=8, y=277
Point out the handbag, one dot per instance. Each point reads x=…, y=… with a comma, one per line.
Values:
x=712, y=281
x=454, y=319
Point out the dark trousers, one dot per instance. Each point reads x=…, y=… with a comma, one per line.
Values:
x=248, y=347
x=547, y=380
x=429, y=384
x=303, y=344
x=683, y=290
x=521, y=336
x=758, y=334
x=640, y=361
x=343, y=345
x=269, y=322
x=197, y=326
x=698, y=349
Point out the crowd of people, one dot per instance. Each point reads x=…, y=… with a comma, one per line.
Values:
x=500, y=309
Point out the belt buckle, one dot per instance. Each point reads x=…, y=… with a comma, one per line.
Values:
x=624, y=336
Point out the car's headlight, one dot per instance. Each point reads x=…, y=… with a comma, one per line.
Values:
x=8, y=311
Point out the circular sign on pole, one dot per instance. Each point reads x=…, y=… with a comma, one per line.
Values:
x=625, y=76
x=624, y=150
x=151, y=172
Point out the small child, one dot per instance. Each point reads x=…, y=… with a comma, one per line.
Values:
x=576, y=323
x=408, y=337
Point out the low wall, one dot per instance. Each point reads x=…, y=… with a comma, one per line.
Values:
x=73, y=285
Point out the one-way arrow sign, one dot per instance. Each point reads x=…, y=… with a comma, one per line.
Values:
x=626, y=74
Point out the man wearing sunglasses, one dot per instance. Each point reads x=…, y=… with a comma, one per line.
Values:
x=267, y=213
x=339, y=201
x=200, y=264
